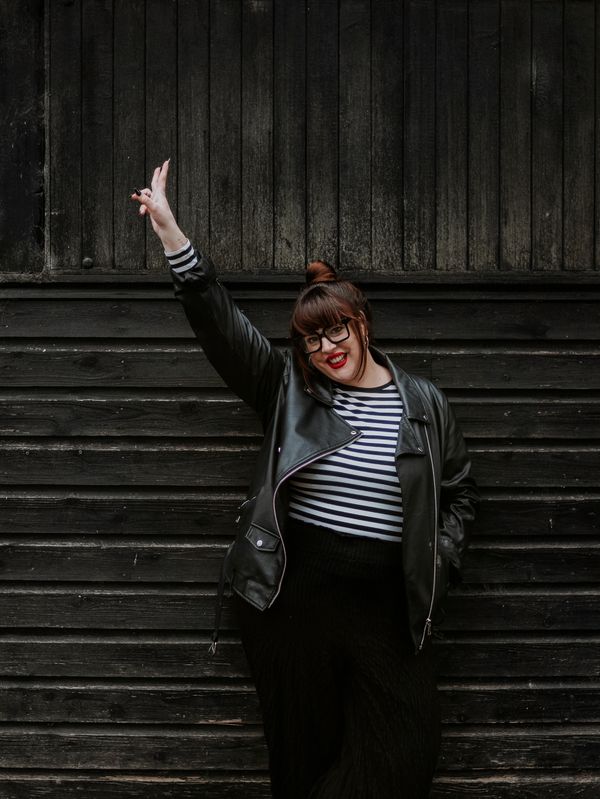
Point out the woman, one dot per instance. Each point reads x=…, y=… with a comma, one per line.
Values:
x=358, y=511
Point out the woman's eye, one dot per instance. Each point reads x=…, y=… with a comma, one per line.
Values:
x=335, y=330
x=311, y=340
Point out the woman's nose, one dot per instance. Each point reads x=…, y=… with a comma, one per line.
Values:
x=326, y=345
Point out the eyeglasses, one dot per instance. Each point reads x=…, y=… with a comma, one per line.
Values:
x=334, y=333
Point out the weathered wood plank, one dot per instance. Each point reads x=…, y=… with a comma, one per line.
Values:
x=387, y=132
x=257, y=135
x=129, y=254
x=121, y=462
x=322, y=131
x=65, y=169
x=483, y=127
x=419, y=135
x=97, y=166
x=135, y=747
x=578, y=134
x=111, y=559
x=160, y=95
x=186, y=656
x=40, y=785
x=193, y=116
x=414, y=319
x=527, y=785
x=21, y=131
x=547, y=134
x=235, y=703
x=195, y=512
x=355, y=124
x=451, y=166
x=82, y=606
x=289, y=136
x=225, y=135
x=183, y=365
x=515, y=136
x=202, y=414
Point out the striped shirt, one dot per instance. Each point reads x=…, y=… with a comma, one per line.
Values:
x=356, y=489
x=182, y=259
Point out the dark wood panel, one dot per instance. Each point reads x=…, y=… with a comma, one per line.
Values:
x=520, y=748
x=415, y=319
x=160, y=95
x=257, y=135
x=225, y=135
x=578, y=134
x=193, y=119
x=547, y=134
x=16, y=785
x=183, y=365
x=354, y=104
x=206, y=463
x=22, y=134
x=387, y=135
x=187, y=656
x=289, y=136
x=65, y=133
x=483, y=127
x=199, y=414
x=136, y=747
x=129, y=133
x=451, y=166
x=85, y=607
x=54, y=701
x=97, y=131
x=419, y=135
x=110, y=559
x=322, y=131
x=575, y=785
x=515, y=136
x=196, y=512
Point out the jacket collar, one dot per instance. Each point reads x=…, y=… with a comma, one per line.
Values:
x=412, y=401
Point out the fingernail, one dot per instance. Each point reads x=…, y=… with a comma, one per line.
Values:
x=137, y=191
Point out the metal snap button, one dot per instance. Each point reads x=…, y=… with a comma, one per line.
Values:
x=259, y=543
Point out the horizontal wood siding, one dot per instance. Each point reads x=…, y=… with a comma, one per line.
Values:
x=123, y=459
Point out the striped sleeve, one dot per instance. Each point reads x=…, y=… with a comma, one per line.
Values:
x=182, y=259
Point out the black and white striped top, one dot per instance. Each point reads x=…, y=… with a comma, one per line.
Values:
x=356, y=489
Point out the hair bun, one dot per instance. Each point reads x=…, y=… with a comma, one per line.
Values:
x=320, y=272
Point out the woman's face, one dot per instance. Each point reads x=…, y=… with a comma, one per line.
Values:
x=341, y=362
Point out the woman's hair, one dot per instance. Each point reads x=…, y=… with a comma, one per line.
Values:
x=322, y=303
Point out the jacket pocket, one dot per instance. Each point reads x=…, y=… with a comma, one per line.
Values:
x=262, y=539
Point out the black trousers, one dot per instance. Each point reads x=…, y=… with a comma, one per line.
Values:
x=349, y=710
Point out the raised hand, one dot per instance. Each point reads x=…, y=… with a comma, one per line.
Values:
x=153, y=203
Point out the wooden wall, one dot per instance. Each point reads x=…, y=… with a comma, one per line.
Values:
x=445, y=153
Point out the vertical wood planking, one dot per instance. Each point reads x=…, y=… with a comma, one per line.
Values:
x=386, y=136
x=22, y=136
x=225, y=134
x=547, y=134
x=289, y=136
x=579, y=134
x=515, y=136
x=65, y=137
x=322, y=153
x=597, y=139
x=257, y=135
x=484, y=101
x=129, y=135
x=97, y=135
x=451, y=135
x=161, y=108
x=419, y=135
x=193, y=114
x=355, y=135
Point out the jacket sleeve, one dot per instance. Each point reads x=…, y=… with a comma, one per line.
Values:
x=243, y=357
x=458, y=494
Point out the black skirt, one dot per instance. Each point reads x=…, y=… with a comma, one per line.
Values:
x=349, y=710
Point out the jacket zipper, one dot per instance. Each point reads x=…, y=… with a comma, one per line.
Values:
x=427, y=628
x=355, y=436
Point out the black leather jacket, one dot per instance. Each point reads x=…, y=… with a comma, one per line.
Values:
x=438, y=495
